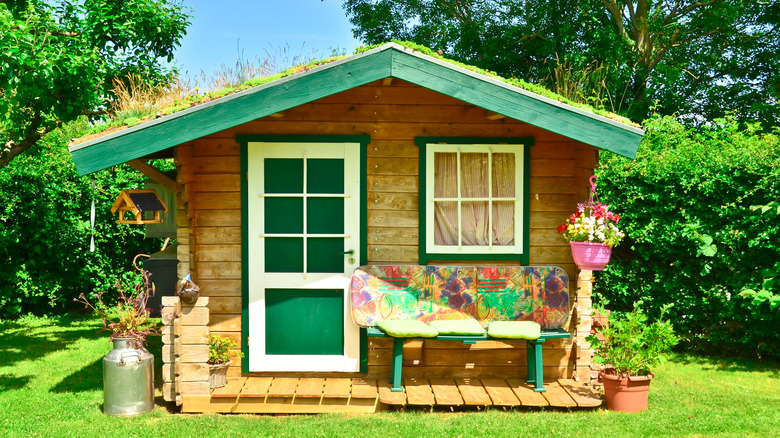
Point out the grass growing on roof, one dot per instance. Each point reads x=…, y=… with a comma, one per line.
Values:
x=228, y=80
x=51, y=385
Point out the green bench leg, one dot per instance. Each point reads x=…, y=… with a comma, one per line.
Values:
x=398, y=363
x=535, y=365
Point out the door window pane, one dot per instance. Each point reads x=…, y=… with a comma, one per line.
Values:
x=283, y=215
x=325, y=176
x=283, y=254
x=325, y=215
x=283, y=175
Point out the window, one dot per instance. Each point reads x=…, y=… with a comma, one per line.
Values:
x=474, y=200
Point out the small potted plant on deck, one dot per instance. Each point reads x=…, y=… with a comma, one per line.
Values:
x=220, y=349
x=631, y=347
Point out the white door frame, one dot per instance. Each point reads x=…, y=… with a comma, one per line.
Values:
x=259, y=280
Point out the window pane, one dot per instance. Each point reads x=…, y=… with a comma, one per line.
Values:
x=445, y=223
x=503, y=223
x=445, y=183
x=474, y=215
x=504, y=175
x=474, y=175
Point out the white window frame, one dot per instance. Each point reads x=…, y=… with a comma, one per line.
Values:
x=519, y=199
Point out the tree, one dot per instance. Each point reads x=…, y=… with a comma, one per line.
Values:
x=59, y=58
x=695, y=58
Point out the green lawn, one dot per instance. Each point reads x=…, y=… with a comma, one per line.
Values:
x=51, y=385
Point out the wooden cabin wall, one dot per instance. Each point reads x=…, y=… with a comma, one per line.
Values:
x=393, y=113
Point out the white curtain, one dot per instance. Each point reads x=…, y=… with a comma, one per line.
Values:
x=475, y=182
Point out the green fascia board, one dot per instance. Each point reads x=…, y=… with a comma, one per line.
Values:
x=232, y=110
x=390, y=60
x=514, y=102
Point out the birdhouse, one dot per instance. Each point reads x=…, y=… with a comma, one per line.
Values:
x=139, y=202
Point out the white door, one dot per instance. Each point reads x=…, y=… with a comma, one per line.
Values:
x=303, y=238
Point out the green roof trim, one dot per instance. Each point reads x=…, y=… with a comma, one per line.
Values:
x=389, y=60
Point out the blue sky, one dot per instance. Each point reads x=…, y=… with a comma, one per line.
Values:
x=220, y=26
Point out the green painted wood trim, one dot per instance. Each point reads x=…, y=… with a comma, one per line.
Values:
x=243, y=140
x=249, y=138
x=231, y=111
x=424, y=141
x=524, y=257
x=390, y=60
x=364, y=205
x=518, y=104
x=244, y=257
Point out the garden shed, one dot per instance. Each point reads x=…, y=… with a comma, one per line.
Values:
x=380, y=158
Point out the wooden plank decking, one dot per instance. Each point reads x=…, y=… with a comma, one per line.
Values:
x=269, y=395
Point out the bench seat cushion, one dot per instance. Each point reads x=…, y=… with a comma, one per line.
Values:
x=468, y=327
x=407, y=329
x=514, y=330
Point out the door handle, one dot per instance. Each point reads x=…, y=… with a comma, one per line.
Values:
x=350, y=252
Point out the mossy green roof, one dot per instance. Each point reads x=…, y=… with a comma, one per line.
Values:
x=304, y=84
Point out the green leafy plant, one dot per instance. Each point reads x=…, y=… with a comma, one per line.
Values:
x=221, y=348
x=129, y=317
x=632, y=346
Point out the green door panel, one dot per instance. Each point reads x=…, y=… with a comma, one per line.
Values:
x=304, y=321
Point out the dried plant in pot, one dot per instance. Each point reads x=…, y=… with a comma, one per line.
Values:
x=220, y=350
x=631, y=347
x=128, y=369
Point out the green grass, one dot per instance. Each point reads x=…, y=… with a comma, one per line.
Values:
x=51, y=386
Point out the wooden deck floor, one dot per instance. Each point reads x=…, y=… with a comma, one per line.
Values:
x=321, y=395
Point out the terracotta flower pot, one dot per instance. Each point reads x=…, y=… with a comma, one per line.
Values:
x=590, y=256
x=626, y=394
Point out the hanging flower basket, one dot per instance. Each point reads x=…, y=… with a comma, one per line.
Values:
x=590, y=256
x=592, y=232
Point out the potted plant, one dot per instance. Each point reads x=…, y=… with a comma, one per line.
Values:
x=631, y=347
x=128, y=369
x=220, y=350
x=592, y=232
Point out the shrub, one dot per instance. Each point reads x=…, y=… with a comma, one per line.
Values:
x=692, y=237
x=45, y=260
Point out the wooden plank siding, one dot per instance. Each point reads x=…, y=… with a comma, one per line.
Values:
x=392, y=115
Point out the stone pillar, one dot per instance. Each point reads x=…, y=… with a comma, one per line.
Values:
x=583, y=309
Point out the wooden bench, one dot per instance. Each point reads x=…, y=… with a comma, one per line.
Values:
x=485, y=294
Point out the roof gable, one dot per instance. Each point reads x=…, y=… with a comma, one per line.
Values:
x=390, y=60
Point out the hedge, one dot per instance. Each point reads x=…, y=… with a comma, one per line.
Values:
x=45, y=258
x=695, y=237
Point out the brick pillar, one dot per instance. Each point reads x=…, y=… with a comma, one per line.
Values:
x=583, y=308
x=171, y=350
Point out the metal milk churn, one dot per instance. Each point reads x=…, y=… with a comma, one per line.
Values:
x=128, y=379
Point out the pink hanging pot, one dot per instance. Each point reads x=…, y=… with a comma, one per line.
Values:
x=590, y=256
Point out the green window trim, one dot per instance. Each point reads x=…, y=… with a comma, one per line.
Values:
x=522, y=255
x=243, y=140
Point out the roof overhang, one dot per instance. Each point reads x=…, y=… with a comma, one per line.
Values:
x=388, y=61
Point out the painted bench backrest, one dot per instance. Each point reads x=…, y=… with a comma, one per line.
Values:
x=427, y=293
